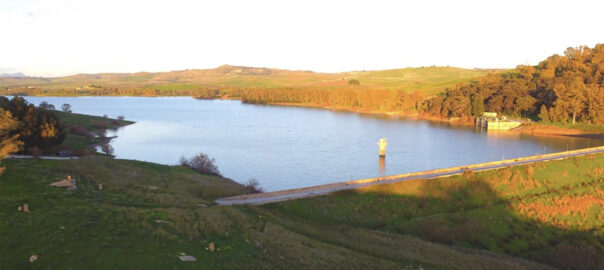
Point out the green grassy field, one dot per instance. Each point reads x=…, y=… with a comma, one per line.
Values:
x=429, y=80
x=550, y=212
x=148, y=214
x=92, y=124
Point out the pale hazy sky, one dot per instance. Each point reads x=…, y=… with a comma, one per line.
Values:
x=61, y=37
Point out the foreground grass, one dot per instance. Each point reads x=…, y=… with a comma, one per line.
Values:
x=550, y=212
x=148, y=214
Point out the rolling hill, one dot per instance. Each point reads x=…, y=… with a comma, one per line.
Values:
x=428, y=79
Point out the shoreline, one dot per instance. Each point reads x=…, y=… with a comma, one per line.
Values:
x=535, y=129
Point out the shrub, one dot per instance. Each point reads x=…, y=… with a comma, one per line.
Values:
x=79, y=130
x=35, y=151
x=354, y=82
x=201, y=163
x=252, y=186
x=99, y=125
x=82, y=152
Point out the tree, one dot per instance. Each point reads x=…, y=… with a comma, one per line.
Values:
x=544, y=114
x=477, y=105
x=38, y=127
x=354, y=82
x=46, y=106
x=9, y=142
x=66, y=108
x=252, y=186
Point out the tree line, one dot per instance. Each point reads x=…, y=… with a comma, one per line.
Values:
x=565, y=89
x=372, y=100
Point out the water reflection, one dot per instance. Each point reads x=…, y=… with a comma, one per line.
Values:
x=382, y=164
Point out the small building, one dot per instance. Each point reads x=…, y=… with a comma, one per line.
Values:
x=490, y=121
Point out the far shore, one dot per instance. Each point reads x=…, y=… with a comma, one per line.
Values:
x=535, y=128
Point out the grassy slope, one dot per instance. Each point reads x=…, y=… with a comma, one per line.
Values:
x=551, y=212
x=428, y=79
x=129, y=226
x=78, y=142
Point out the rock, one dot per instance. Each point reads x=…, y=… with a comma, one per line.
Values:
x=203, y=205
x=69, y=183
x=151, y=187
x=33, y=258
x=211, y=247
x=161, y=221
x=19, y=208
x=26, y=208
x=100, y=186
x=187, y=258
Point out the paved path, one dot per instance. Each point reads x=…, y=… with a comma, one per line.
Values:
x=41, y=157
x=292, y=194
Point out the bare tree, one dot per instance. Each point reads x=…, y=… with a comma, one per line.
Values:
x=201, y=163
x=107, y=149
x=252, y=186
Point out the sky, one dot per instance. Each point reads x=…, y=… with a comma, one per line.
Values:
x=62, y=37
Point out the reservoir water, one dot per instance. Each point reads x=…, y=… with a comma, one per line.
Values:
x=289, y=147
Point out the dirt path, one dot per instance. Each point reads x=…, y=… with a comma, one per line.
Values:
x=292, y=194
x=41, y=157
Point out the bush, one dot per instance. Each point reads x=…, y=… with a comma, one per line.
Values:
x=354, y=82
x=252, y=186
x=82, y=152
x=79, y=130
x=201, y=163
x=35, y=151
x=99, y=125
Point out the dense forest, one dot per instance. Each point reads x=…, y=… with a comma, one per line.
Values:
x=560, y=89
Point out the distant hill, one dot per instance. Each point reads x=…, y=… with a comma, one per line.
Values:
x=428, y=79
x=13, y=75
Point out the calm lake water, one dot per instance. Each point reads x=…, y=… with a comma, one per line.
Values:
x=289, y=147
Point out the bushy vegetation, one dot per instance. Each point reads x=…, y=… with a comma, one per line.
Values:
x=9, y=143
x=201, y=163
x=560, y=89
x=37, y=127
